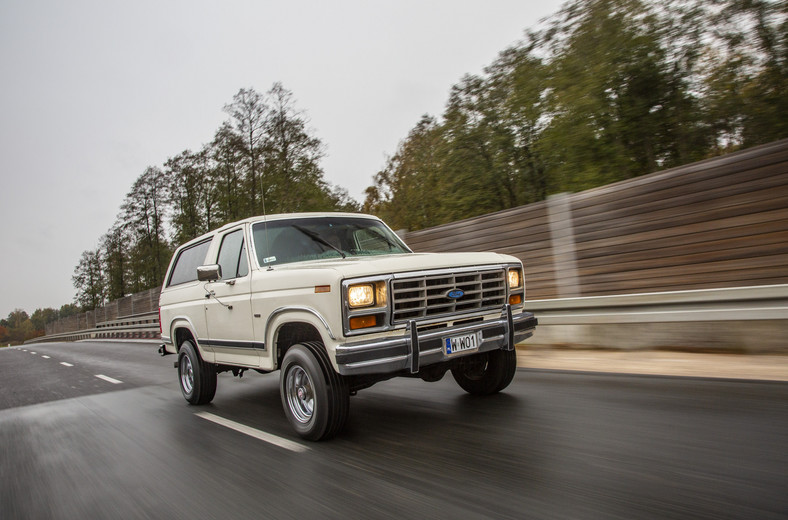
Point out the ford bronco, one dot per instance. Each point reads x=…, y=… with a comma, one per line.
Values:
x=337, y=302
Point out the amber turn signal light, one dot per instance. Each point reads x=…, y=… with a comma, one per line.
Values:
x=363, y=322
x=515, y=299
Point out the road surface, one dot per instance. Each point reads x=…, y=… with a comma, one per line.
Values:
x=100, y=430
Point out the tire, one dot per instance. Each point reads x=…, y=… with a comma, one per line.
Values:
x=486, y=373
x=315, y=398
x=196, y=377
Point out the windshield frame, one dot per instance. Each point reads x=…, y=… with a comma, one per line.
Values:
x=260, y=234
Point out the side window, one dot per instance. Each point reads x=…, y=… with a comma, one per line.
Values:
x=185, y=269
x=232, y=256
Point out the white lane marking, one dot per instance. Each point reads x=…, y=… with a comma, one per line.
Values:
x=257, y=434
x=33, y=353
x=45, y=357
x=108, y=379
x=66, y=364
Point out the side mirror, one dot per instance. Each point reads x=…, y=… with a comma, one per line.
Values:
x=209, y=273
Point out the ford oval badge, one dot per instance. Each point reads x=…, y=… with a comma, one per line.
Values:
x=455, y=294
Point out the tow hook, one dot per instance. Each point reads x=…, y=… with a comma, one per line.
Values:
x=162, y=351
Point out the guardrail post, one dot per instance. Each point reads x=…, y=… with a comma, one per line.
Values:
x=562, y=238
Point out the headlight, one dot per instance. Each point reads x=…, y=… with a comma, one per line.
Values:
x=361, y=295
x=514, y=278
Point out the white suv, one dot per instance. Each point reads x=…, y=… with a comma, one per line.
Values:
x=337, y=302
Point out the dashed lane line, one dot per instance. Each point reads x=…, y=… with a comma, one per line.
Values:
x=252, y=432
x=100, y=376
x=108, y=379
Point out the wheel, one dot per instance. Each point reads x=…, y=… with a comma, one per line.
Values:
x=486, y=373
x=197, y=378
x=315, y=398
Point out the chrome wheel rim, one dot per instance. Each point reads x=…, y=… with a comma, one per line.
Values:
x=300, y=394
x=187, y=374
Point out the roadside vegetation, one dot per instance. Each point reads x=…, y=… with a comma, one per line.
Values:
x=19, y=327
x=603, y=91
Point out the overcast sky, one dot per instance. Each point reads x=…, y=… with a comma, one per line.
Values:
x=94, y=92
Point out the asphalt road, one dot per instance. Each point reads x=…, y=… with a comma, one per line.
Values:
x=553, y=445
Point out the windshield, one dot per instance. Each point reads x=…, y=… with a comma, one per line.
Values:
x=317, y=238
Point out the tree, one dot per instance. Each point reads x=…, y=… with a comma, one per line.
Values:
x=16, y=318
x=293, y=179
x=114, y=252
x=248, y=113
x=89, y=281
x=66, y=310
x=616, y=107
x=747, y=72
x=406, y=191
x=42, y=317
x=192, y=194
x=143, y=213
x=18, y=327
x=226, y=151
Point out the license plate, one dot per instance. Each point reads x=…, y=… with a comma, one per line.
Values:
x=462, y=343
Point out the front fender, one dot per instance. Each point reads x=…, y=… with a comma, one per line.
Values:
x=300, y=314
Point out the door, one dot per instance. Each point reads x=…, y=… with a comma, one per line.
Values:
x=228, y=310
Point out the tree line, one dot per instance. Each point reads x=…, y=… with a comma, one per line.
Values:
x=262, y=159
x=19, y=326
x=604, y=91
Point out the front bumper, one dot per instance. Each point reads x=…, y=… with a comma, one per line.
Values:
x=415, y=350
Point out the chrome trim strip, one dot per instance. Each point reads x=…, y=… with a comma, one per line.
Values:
x=494, y=339
x=372, y=362
x=372, y=345
x=432, y=351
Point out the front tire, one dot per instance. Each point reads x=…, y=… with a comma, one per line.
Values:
x=196, y=377
x=315, y=398
x=486, y=373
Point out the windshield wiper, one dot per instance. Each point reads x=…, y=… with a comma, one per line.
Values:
x=320, y=240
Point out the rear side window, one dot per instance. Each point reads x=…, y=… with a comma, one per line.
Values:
x=185, y=269
x=232, y=256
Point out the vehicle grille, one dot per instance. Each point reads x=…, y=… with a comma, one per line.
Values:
x=426, y=296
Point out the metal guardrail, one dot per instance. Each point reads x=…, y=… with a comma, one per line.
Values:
x=139, y=326
x=768, y=302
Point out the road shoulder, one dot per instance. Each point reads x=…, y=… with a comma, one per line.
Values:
x=690, y=364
